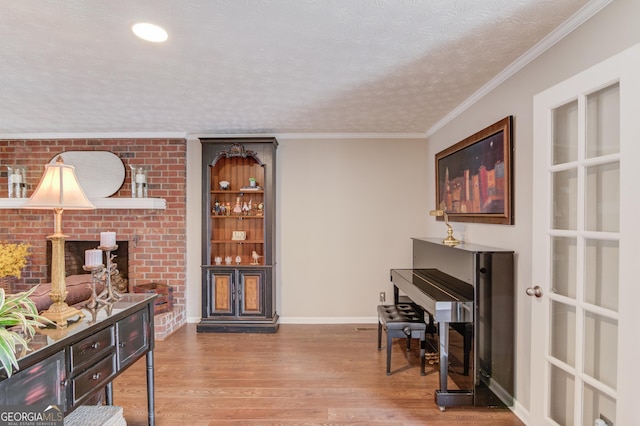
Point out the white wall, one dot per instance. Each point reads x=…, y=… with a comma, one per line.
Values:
x=612, y=30
x=346, y=210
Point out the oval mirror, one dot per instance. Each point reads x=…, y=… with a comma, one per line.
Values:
x=101, y=173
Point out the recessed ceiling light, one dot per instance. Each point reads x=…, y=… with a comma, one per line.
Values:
x=149, y=32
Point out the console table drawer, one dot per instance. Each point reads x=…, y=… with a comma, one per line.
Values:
x=93, y=378
x=133, y=337
x=92, y=347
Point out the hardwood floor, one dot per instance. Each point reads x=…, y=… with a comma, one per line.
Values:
x=301, y=375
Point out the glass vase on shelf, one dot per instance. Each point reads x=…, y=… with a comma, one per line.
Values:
x=17, y=181
x=139, y=181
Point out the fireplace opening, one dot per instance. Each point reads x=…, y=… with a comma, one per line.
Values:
x=74, y=261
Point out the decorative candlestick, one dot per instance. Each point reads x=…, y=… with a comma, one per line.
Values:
x=95, y=270
x=111, y=294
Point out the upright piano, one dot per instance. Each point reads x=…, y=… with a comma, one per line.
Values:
x=468, y=290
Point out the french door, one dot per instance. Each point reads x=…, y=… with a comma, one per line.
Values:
x=586, y=260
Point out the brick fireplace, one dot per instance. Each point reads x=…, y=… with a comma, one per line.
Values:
x=74, y=260
x=156, y=238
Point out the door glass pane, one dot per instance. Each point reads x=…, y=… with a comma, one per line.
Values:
x=601, y=273
x=563, y=266
x=565, y=186
x=563, y=332
x=603, y=122
x=565, y=133
x=600, y=351
x=596, y=403
x=561, y=396
x=602, y=197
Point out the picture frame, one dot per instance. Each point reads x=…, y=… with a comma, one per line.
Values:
x=474, y=177
x=239, y=236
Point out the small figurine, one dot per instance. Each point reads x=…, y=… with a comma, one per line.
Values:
x=245, y=208
x=255, y=256
x=238, y=260
x=236, y=207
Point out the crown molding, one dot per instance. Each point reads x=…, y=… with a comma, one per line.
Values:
x=579, y=18
x=88, y=135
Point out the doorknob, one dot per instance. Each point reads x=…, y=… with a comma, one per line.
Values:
x=534, y=291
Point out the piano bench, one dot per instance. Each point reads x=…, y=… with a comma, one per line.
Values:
x=402, y=321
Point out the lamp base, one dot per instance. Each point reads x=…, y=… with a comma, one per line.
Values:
x=450, y=240
x=60, y=312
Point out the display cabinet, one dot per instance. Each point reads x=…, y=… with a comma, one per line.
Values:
x=238, y=235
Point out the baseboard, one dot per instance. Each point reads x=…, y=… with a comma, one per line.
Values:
x=328, y=320
x=314, y=320
x=521, y=412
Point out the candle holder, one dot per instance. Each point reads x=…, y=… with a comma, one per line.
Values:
x=17, y=181
x=109, y=294
x=96, y=271
x=108, y=308
x=139, y=181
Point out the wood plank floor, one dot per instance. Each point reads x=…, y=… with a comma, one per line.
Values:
x=301, y=375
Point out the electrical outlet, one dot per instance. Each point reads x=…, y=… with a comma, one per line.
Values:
x=383, y=296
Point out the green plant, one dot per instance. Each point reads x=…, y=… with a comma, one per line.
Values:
x=18, y=321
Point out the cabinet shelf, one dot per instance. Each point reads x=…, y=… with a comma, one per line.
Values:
x=238, y=192
x=237, y=241
x=213, y=216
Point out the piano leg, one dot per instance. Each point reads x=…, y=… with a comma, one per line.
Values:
x=445, y=397
x=444, y=355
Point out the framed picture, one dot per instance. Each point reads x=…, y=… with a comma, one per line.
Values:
x=239, y=236
x=474, y=177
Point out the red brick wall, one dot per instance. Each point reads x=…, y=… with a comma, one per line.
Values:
x=157, y=238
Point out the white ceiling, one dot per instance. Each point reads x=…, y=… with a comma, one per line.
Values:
x=257, y=66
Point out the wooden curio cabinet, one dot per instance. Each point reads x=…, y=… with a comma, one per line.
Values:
x=238, y=235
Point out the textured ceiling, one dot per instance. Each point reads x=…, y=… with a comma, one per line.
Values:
x=257, y=66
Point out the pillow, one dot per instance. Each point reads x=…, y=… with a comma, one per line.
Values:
x=78, y=290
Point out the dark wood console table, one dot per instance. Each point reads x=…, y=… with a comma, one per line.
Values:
x=69, y=367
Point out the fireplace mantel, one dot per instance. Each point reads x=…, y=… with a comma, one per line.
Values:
x=101, y=203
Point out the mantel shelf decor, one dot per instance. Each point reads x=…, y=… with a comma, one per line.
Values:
x=100, y=203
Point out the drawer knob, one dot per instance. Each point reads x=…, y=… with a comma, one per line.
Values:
x=122, y=344
x=96, y=376
x=95, y=345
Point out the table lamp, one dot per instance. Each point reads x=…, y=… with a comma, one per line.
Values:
x=59, y=190
x=450, y=240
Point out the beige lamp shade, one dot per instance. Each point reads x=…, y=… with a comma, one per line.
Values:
x=59, y=189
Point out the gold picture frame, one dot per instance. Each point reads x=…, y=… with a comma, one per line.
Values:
x=474, y=178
